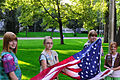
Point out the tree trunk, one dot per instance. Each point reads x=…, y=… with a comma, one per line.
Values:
x=60, y=24
x=74, y=32
x=106, y=27
x=115, y=25
x=111, y=21
x=26, y=31
x=118, y=37
x=61, y=33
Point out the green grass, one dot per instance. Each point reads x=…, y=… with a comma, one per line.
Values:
x=29, y=51
x=54, y=34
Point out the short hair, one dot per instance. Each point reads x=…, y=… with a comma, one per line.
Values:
x=113, y=43
x=47, y=37
x=9, y=36
x=92, y=33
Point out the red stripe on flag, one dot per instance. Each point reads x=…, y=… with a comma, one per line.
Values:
x=75, y=70
x=106, y=73
x=42, y=74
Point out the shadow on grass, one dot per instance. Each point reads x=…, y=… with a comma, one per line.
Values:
x=29, y=61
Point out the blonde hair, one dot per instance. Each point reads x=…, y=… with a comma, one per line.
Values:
x=92, y=33
x=9, y=36
x=47, y=37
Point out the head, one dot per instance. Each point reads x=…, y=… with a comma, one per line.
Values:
x=113, y=47
x=10, y=42
x=48, y=42
x=92, y=36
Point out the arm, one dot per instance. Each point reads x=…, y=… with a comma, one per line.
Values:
x=57, y=60
x=43, y=64
x=12, y=76
x=117, y=68
x=106, y=67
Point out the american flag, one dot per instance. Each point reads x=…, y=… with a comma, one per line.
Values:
x=84, y=65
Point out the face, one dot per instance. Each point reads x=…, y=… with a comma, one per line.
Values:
x=12, y=44
x=92, y=38
x=113, y=48
x=48, y=44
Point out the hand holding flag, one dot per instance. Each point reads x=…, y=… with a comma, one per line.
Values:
x=82, y=65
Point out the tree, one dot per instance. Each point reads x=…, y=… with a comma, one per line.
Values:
x=106, y=24
x=111, y=20
x=55, y=13
x=118, y=21
x=33, y=10
x=74, y=24
x=11, y=22
x=89, y=12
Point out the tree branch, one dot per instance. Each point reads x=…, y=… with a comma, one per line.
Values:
x=47, y=11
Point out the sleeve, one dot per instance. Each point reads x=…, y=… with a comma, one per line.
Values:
x=56, y=53
x=42, y=57
x=8, y=63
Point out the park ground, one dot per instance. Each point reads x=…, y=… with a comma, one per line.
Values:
x=29, y=51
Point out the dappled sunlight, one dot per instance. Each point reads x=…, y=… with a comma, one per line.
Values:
x=67, y=51
x=104, y=46
x=79, y=42
x=24, y=63
x=31, y=49
x=24, y=77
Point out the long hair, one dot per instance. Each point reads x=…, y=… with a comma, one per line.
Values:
x=9, y=36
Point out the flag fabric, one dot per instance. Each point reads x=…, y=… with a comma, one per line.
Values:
x=84, y=65
x=102, y=75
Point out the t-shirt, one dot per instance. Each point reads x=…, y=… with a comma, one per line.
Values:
x=51, y=60
x=8, y=63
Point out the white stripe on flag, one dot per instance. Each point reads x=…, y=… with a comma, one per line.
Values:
x=71, y=73
x=74, y=66
x=55, y=69
x=47, y=77
x=102, y=75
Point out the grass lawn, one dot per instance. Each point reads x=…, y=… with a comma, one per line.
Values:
x=29, y=51
x=54, y=34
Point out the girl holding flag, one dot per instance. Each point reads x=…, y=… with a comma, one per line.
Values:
x=112, y=61
x=48, y=57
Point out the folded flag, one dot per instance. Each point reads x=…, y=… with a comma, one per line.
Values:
x=82, y=65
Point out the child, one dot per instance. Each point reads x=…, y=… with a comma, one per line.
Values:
x=92, y=36
x=11, y=69
x=48, y=57
x=112, y=61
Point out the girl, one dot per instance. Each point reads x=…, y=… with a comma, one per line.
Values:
x=10, y=68
x=112, y=61
x=48, y=57
x=92, y=36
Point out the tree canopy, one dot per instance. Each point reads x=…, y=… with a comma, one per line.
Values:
x=89, y=11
